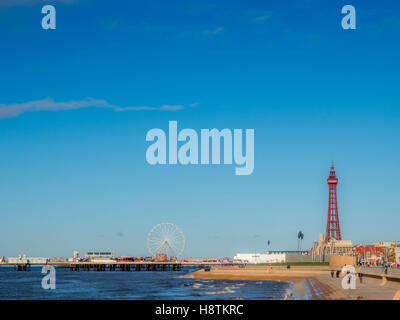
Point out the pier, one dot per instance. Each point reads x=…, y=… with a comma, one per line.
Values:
x=127, y=266
x=118, y=266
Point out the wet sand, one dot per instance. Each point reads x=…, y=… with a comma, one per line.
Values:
x=309, y=282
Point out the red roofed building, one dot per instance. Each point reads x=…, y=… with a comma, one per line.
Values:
x=371, y=253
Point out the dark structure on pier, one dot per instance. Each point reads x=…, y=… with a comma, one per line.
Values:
x=125, y=267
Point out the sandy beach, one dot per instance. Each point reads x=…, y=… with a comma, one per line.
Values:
x=309, y=282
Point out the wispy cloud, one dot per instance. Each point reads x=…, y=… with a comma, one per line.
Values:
x=48, y=104
x=213, y=31
x=171, y=108
x=163, y=107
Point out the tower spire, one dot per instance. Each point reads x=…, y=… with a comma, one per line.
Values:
x=333, y=226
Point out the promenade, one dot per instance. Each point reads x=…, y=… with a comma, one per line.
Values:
x=369, y=289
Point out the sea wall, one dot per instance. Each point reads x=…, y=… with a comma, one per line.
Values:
x=340, y=261
x=298, y=257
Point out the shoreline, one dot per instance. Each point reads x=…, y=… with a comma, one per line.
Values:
x=308, y=282
x=302, y=279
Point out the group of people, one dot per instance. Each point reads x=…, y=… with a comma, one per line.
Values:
x=333, y=273
x=337, y=273
x=379, y=264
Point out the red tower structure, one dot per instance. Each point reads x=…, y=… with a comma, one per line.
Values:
x=333, y=226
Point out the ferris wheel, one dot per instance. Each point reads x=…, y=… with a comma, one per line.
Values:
x=166, y=238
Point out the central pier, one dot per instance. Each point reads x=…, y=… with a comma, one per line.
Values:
x=102, y=266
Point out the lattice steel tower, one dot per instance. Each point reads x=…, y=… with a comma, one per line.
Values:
x=333, y=226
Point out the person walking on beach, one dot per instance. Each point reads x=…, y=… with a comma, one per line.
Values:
x=360, y=275
x=337, y=273
x=332, y=273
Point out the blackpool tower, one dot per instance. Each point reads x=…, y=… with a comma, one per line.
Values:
x=333, y=226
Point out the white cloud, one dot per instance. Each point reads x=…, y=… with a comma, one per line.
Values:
x=48, y=104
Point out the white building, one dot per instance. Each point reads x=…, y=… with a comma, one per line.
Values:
x=387, y=244
x=23, y=259
x=256, y=258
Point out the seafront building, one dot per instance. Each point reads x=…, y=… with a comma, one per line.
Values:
x=24, y=259
x=99, y=256
x=332, y=247
x=385, y=251
x=256, y=258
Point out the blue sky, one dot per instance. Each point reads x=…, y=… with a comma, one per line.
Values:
x=76, y=103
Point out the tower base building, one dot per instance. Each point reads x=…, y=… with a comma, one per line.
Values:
x=333, y=247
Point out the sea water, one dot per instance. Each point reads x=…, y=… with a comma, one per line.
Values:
x=135, y=285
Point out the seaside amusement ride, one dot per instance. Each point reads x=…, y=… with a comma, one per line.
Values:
x=166, y=242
